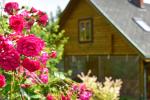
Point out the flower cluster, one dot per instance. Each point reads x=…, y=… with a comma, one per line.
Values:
x=9, y=57
x=25, y=19
x=22, y=51
x=11, y=8
x=80, y=91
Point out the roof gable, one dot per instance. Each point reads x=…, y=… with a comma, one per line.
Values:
x=67, y=11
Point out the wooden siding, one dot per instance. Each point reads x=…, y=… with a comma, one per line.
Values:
x=106, y=38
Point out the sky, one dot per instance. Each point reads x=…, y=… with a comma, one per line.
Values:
x=147, y=1
x=44, y=5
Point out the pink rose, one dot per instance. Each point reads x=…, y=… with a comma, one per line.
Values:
x=2, y=38
x=5, y=44
x=29, y=24
x=30, y=45
x=15, y=36
x=44, y=78
x=44, y=57
x=11, y=8
x=2, y=81
x=29, y=21
x=31, y=65
x=10, y=59
x=49, y=97
x=75, y=87
x=44, y=70
x=20, y=70
x=42, y=18
x=82, y=87
x=53, y=54
x=33, y=10
x=65, y=97
x=25, y=85
x=16, y=23
x=86, y=95
x=25, y=14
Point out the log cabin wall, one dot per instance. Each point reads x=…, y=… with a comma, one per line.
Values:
x=106, y=38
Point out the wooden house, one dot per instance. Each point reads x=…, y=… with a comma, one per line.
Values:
x=112, y=38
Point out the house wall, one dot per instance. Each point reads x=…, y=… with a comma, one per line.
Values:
x=106, y=39
x=98, y=55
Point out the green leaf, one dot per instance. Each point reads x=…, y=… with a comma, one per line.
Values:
x=36, y=97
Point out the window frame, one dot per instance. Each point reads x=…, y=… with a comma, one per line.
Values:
x=83, y=20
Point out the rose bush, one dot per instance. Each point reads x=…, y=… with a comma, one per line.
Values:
x=22, y=54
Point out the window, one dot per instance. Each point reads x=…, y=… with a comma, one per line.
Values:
x=85, y=30
x=142, y=24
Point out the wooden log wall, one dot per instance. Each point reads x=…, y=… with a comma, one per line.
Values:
x=106, y=38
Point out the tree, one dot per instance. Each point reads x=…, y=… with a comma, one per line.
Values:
x=58, y=12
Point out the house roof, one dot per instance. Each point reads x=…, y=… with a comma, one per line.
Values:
x=121, y=13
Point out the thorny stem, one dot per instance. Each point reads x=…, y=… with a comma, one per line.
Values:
x=22, y=98
x=11, y=85
x=36, y=78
